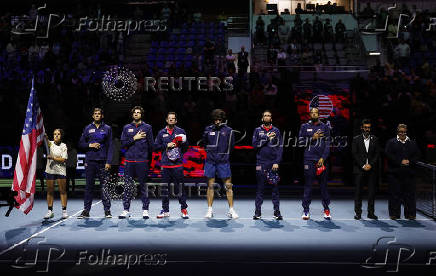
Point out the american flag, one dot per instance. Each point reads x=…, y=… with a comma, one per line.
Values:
x=31, y=138
x=324, y=105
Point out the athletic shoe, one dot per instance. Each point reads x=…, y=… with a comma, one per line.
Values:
x=145, y=214
x=357, y=216
x=107, y=214
x=84, y=214
x=163, y=214
x=64, y=214
x=232, y=214
x=372, y=216
x=327, y=215
x=124, y=214
x=306, y=215
x=394, y=217
x=49, y=215
x=184, y=214
x=209, y=213
x=257, y=216
x=277, y=215
x=411, y=217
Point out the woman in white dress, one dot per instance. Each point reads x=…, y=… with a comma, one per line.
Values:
x=56, y=170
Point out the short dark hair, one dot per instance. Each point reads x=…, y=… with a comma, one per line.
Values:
x=98, y=109
x=266, y=110
x=135, y=108
x=366, y=122
x=171, y=113
x=401, y=126
x=218, y=114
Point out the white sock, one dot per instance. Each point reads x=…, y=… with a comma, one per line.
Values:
x=231, y=209
x=209, y=208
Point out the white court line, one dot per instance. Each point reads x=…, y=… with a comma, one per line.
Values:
x=226, y=218
x=43, y=230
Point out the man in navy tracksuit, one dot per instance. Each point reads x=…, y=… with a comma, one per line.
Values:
x=269, y=150
x=137, y=139
x=402, y=154
x=96, y=139
x=219, y=140
x=173, y=143
x=315, y=137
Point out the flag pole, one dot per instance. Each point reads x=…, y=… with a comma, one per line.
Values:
x=47, y=149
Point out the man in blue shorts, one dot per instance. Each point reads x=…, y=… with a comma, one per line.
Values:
x=219, y=140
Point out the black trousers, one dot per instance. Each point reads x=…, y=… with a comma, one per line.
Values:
x=360, y=179
x=402, y=189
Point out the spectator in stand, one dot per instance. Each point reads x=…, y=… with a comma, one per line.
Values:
x=281, y=57
x=307, y=30
x=283, y=32
x=299, y=10
x=340, y=31
x=328, y=31
x=317, y=30
x=272, y=55
x=307, y=57
x=272, y=33
x=297, y=31
x=402, y=52
x=230, y=62
x=242, y=61
x=278, y=20
x=260, y=31
x=165, y=13
x=368, y=11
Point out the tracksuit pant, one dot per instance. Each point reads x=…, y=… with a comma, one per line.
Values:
x=261, y=181
x=139, y=170
x=93, y=169
x=173, y=175
x=309, y=177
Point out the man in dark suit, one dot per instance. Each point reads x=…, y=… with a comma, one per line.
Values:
x=402, y=154
x=242, y=61
x=366, y=152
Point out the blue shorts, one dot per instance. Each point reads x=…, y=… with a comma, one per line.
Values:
x=50, y=176
x=222, y=169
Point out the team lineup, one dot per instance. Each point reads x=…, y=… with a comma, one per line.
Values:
x=218, y=140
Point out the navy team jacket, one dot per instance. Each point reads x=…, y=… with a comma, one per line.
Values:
x=103, y=136
x=315, y=149
x=267, y=152
x=160, y=144
x=138, y=150
x=219, y=141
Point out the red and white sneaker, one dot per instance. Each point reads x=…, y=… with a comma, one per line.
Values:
x=327, y=215
x=184, y=214
x=163, y=214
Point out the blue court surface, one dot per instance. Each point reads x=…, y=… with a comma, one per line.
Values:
x=196, y=246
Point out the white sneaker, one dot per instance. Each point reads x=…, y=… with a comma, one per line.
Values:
x=145, y=214
x=124, y=214
x=163, y=214
x=209, y=213
x=64, y=214
x=305, y=216
x=49, y=215
x=232, y=214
